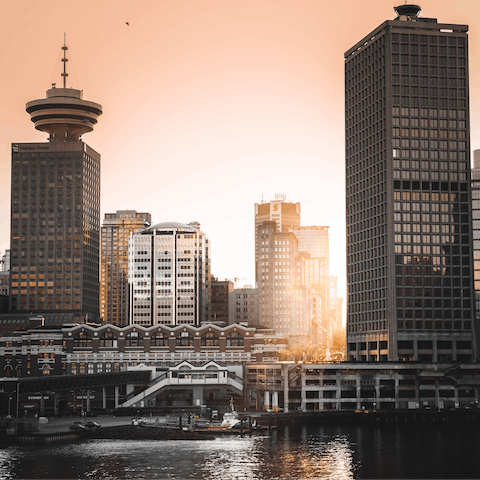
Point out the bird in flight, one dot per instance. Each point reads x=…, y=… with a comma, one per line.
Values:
x=127, y=23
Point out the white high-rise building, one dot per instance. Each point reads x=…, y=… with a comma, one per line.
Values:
x=169, y=274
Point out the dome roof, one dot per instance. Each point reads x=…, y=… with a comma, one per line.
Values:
x=166, y=226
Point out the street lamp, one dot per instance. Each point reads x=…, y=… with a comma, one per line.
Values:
x=9, y=395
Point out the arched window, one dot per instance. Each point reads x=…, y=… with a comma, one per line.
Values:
x=184, y=340
x=82, y=341
x=133, y=339
x=210, y=339
x=159, y=339
x=46, y=370
x=8, y=371
x=108, y=340
x=235, y=339
x=18, y=371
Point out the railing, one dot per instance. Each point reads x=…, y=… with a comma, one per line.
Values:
x=165, y=380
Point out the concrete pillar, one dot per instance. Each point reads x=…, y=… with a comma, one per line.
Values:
x=267, y=400
x=285, y=388
x=197, y=396
x=104, y=398
x=55, y=405
x=338, y=394
x=377, y=396
x=116, y=397
x=397, y=403
x=88, y=400
x=454, y=350
x=275, y=401
x=435, y=352
x=42, y=405
x=415, y=350
x=417, y=393
x=359, y=394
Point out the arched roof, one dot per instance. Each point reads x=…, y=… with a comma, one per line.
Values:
x=167, y=226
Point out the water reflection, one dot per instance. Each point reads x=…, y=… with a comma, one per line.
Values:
x=312, y=451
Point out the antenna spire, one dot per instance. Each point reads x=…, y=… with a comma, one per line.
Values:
x=64, y=60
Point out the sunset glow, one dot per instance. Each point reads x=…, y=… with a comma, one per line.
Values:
x=208, y=105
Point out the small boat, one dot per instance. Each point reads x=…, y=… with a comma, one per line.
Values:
x=230, y=419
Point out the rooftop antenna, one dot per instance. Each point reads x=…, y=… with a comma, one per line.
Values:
x=64, y=60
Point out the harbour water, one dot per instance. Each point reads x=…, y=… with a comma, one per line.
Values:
x=312, y=451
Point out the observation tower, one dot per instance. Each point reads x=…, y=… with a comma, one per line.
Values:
x=55, y=221
x=64, y=114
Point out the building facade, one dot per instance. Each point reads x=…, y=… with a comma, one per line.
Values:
x=169, y=275
x=220, y=300
x=244, y=307
x=409, y=259
x=350, y=386
x=274, y=271
x=314, y=245
x=55, y=209
x=85, y=367
x=476, y=228
x=285, y=216
x=116, y=230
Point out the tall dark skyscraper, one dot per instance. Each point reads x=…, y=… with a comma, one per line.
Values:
x=409, y=239
x=55, y=217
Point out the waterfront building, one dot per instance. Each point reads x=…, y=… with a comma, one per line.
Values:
x=476, y=228
x=350, y=386
x=169, y=275
x=116, y=230
x=409, y=239
x=55, y=209
x=221, y=299
x=176, y=366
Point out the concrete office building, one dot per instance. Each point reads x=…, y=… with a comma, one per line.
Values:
x=314, y=245
x=116, y=230
x=273, y=224
x=169, y=275
x=409, y=255
x=221, y=298
x=244, y=307
x=55, y=208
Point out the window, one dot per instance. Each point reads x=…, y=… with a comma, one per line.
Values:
x=184, y=340
x=108, y=340
x=210, y=339
x=159, y=339
x=82, y=341
x=133, y=339
x=235, y=339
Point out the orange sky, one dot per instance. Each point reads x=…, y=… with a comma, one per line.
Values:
x=208, y=104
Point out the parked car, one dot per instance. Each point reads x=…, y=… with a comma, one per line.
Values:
x=77, y=426
x=92, y=425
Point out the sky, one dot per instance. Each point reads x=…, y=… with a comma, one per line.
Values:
x=208, y=105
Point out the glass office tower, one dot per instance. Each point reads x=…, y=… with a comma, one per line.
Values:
x=409, y=239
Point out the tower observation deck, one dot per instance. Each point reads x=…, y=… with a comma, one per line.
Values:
x=64, y=114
